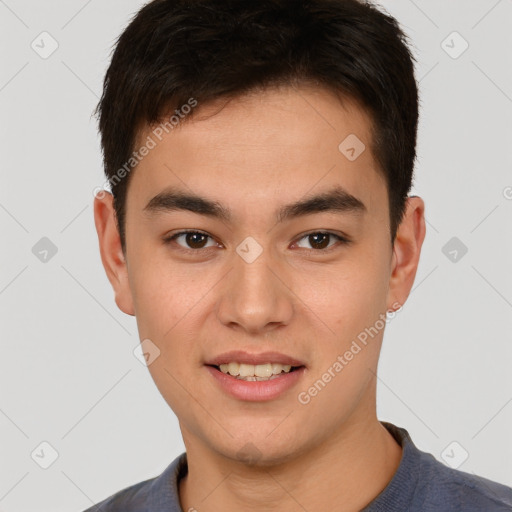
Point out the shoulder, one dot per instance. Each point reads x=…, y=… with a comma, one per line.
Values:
x=131, y=499
x=423, y=483
x=451, y=489
x=448, y=489
x=149, y=495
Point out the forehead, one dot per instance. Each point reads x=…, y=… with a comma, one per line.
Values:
x=255, y=149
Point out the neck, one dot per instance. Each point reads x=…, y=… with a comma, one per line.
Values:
x=350, y=469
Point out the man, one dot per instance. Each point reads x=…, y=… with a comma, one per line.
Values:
x=260, y=156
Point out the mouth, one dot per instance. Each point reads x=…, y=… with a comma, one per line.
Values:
x=256, y=377
x=255, y=367
x=255, y=373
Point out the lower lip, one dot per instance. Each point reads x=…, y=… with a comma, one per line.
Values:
x=256, y=391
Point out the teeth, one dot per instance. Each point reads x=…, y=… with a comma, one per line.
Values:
x=265, y=371
x=232, y=368
x=246, y=370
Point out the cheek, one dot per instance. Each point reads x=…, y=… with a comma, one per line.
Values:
x=152, y=296
x=172, y=304
x=349, y=297
x=352, y=309
x=164, y=292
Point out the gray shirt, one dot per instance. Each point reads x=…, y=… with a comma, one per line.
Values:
x=421, y=483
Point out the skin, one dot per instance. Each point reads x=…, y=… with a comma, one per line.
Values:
x=254, y=155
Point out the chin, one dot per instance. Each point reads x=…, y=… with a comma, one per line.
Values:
x=263, y=451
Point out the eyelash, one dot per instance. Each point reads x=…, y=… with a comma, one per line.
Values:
x=341, y=240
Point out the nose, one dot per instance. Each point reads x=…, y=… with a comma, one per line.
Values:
x=256, y=297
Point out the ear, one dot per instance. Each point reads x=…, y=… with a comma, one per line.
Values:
x=406, y=252
x=111, y=251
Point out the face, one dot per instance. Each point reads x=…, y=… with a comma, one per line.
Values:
x=270, y=269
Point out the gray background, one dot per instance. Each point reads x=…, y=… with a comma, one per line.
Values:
x=68, y=375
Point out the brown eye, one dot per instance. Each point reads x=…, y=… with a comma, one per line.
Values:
x=191, y=240
x=320, y=240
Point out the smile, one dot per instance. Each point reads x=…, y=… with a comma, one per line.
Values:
x=252, y=387
x=251, y=372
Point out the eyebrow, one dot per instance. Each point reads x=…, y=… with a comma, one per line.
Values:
x=336, y=200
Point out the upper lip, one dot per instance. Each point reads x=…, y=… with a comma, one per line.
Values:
x=240, y=356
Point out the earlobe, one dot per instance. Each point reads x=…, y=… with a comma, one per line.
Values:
x=406, y=252
x=111, y=251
